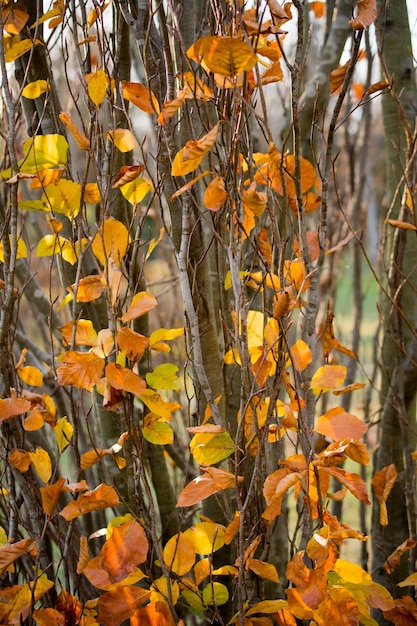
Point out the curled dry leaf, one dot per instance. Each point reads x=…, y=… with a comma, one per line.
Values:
x=126, y=174
x=367, y=13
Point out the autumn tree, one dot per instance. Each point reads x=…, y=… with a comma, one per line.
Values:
x=172, y=436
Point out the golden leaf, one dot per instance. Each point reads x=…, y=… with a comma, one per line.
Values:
x=122, y=138
x=142, y=302
x=111, y=241
x=124, y=379
x=190, y=157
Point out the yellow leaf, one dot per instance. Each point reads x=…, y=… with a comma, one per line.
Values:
x=15, y=49
x=210, y=448
x=35, y=89
x=136, y=190
x=63, y=433
x=122, y=138
x=215, y=593
x=264, y=570
x=190, y=157
x=54, y=244
x=96, y=13
x=21, y=251
x=164, y=334
x=179, y=554
x=64, y=197
x=164, y=377
x=42, y=463
x=91, y=193
x=206, y=537
x=157, y=432
x=227, y=56
x=328, y=378
x=301, y=355
x=111, y=241
x=30, y=375
x=97, y=84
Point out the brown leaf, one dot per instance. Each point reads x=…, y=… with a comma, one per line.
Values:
x=367, y=13
x=126, y=548
x=402, y=225
x=353, y=482
x=394, y=558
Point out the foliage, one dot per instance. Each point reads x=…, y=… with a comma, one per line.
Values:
x=159, y=447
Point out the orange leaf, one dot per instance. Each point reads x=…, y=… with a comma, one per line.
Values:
x=48, y=617
x=11, y=407
x=264, y=570
x=337, y=424
x=119, y=605
x=20, y=459
x=80, y=369
x=126, y=548
x=367, y=13
x=382, y=483
x=140, y=96
x=50, y=495
x=403, y=225
x=338, y=607
x=275, y=487
x=170, y=108
x=327, y=378
x=215, y=195
x=189, y=158
x=132, y=343
x=141, y=303
x=85, y=335
x=353, y=482
x=301, y=355
x=9, y=553
x=89, y=288
x=126, y=174
x=81, y=140
x=124, y=379
x=101, y=497
x=179, y=554
x=212, y=481
x=254, y=200
x=227, y=56
x=155, y=613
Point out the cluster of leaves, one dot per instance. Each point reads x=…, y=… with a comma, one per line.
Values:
x=138, y=573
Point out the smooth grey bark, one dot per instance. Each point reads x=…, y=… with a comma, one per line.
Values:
x=397, y=426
